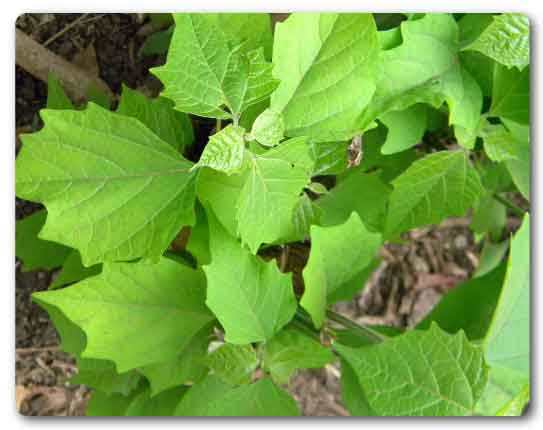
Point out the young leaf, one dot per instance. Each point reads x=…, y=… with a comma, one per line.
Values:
x=74, y=271
x=325, y=64
x=437, y=186
x=268, y=128
x=37, y=253
x=507, y=343
x=251, y=298
x=511, y=94
x=224, y=151
x=155, y=309
x=270, y=193
x=164, y=404
x=290, y=350
x=234, y=364
x=159, y=116
x=113, y=189
x=424, y=373
x=405, y=128
x=469, y=306
x=337, y=254
x=186, y=368
x=207, y=70
x=506, y=40
x=214, y=398
x=102, y=376
x=364, y=193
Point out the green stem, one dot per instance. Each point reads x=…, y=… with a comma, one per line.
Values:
x=359, y=329
x=218, y=125
x=513, y=207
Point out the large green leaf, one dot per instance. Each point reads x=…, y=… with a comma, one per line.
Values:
x=164, y=404
x=338, y=254
x=37, y=253
x=326, y=65
x=74, y=271
x=429, y=373
x=251, y=298
x=503, y=387
x=290, y=350
x=209, y=72
x=187, y=367
x=330, y=157
x=507, y=343
x=212, y=397
x=469, y=306
x=506, y=40
x=271, y=191
x=135, y=313
x=511, y=94
x=224, y=151
x=101, y=375
x=159, y=116
x=438, y=186
x=364, y=193
x=108, y=405
x=112, y=188
x=405, y=128
x=234, y=364
x=352, y=393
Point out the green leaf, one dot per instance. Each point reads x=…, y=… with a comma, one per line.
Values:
x=480, y=67
x=198, y=243
x=155, y=309
x=290, y=350
x=338, y=253
x=502, y=389
x=325, y=63
x=74, y=271
x=224, y=151
x=428, y=373
x=37, y=253
x=352, y=393
x=520, y=169
x=159, y=116
x=317, y=188
x=438, y=186
x=187, y=367
x=370, y=202
x=56, y=97
x=507, y=343
x=234, y=364
x=270, y=193
x=306, y=213
x=214, y=398
x=157, y=43
x=268, y=128
x=208, y=68
x=330, y=157
x=489, y=217
x=491, y=255
x=102, y=376
x=108, y=405
x=113, y=189
x=506, y=40
x=471, y=25
x=469, y=306
x=161, y=405
x=251, y=298
x=348, y=290
x=499, y=144
x=405, y=128
x=515, y=407
x=511, y=94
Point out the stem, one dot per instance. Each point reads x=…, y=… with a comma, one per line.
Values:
x=513, y=207
x=218, y=125
x=364, y=331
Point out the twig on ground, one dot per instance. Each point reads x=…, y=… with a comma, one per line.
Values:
x=64, y=30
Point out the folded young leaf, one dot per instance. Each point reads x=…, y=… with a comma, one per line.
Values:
x=234, y=364
x=506, y=40
x=507, y=343
x=290, y=350
x=155, y=309
x=326, y=65
x=225, y=150
x=438, y=186
x=112, y=188
x=337, y=255
x=209, y=71
x=422, y=373
x=37, y=253
x=159, y=115
x=214, y=398
x=251, y=298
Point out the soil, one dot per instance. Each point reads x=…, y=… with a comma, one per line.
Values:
x=410, y=280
